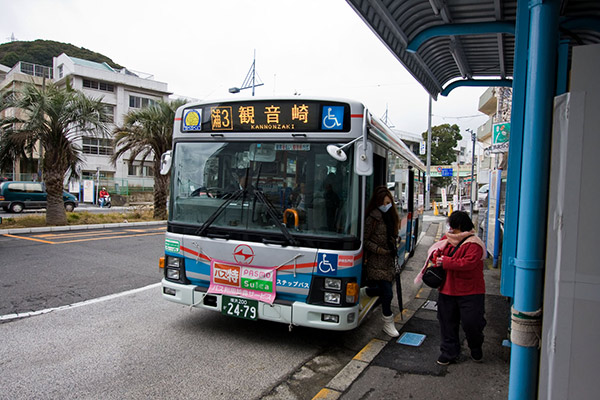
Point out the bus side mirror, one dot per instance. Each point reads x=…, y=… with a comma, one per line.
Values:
x=165, y=162
x=363, y=159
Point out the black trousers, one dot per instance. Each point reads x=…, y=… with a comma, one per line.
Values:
x=454, y=311
x=383, y=289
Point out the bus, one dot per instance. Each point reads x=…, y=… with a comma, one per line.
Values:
x=266, y=207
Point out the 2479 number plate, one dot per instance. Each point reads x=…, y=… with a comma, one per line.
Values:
x=238, y=307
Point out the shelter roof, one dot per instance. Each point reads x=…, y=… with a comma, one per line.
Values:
x=441, y=42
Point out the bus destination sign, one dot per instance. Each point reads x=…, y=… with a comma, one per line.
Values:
x=267, y=116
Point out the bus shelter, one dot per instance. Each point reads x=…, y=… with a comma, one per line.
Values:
x=530, y=46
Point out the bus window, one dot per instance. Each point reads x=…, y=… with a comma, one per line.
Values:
x=299, y=184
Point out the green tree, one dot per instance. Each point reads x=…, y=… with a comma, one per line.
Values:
x=149, y=132
x=41, y=52
x=52, y=119
x=444, y=139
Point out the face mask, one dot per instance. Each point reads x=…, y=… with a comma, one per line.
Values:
x=385, y=208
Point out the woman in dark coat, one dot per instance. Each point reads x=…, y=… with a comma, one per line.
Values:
x=380, y=247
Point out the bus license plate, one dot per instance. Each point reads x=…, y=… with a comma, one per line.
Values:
x=239, y=307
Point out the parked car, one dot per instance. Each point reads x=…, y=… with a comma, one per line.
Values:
x=482, y=195
x=17, y=196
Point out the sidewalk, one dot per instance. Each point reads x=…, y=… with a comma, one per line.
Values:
x=81, y=208
x=385, y=369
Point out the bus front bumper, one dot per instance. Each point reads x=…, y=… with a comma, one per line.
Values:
x=287, y=312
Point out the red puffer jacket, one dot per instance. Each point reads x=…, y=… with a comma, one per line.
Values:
x=464, y=270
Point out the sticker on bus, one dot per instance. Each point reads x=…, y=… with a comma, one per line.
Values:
x=256, y=283
x=333, y=118
x=327, y=263
x=192, y=120
x=172, y=245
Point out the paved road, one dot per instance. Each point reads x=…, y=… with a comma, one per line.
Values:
x=51, y=269
x=119, y=339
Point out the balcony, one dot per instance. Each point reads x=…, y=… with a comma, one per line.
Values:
x=485, y=130
x=34, y=70
x=488, y=102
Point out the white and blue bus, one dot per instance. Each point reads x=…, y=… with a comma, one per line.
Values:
x=266, y=207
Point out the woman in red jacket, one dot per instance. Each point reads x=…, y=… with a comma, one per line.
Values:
x=461, y=297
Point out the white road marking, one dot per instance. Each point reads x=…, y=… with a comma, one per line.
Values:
x=80, y=304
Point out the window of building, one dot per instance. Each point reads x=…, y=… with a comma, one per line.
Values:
x=60, y=71
x=136, y=168
x=106, y=87
x=140, y=102
x=110, y=112
x=36, y=70
x=98, y=146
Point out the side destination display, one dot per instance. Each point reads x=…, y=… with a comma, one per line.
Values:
x=267, y=116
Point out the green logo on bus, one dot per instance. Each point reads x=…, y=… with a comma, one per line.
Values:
x=172, y=245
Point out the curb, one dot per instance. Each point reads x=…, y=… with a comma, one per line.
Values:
x=77, y=227
x=346, y=377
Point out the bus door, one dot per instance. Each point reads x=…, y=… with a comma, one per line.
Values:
x=410, y=199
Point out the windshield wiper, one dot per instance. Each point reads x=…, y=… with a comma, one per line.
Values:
x=272, y=211
x=236, y=195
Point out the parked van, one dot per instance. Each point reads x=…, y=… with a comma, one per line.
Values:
x=17, y=196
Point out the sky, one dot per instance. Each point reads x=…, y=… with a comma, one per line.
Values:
x=202, y=48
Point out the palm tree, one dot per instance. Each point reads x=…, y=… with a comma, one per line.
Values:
x=149, y=132
x=54, y=119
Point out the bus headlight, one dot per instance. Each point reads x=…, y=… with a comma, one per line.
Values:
x=173, y=262
x=332, y=298
x=330, y=318
x=173, y=274
x=333, y=284
x=173, y=268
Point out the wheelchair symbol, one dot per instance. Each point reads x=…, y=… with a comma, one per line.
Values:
x=326, y=267
x=330, y=121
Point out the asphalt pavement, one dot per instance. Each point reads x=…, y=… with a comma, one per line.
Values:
x=386, y=369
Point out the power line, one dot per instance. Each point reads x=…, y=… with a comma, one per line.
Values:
x=460, y=117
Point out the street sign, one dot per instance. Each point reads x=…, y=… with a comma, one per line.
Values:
x=447, y=172
x=501, y=132
x=496, y=148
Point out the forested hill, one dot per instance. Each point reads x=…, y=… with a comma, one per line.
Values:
x=41, y=52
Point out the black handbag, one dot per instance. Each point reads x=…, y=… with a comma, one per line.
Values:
x=434, y=277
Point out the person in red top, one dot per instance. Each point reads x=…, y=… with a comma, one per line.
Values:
x=102, y=196
x=461, y=298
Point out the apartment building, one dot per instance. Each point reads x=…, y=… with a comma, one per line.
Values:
x=121, y=90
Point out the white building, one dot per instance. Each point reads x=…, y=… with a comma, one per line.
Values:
x=122, y=90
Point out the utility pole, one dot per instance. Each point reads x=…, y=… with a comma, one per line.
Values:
x=473, y=184
x=250, y=82
x=428, y=179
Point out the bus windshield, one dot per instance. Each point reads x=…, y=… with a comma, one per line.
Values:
x=258, y=186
